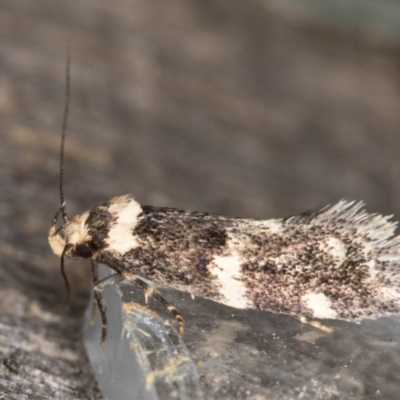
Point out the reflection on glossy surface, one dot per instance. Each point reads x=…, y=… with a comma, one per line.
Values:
x=235, y=354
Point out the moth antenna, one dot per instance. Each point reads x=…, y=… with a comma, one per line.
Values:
x=64, y=130
x=62, y=147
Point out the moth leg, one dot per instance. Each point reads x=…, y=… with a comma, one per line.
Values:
x=98, y=288
x=97, y=298
x=151, y=291
x=315, y=324
x=179, y=319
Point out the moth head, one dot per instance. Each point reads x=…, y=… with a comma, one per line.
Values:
x=75, y=241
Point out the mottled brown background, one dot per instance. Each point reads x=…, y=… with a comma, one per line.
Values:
x=222, y=106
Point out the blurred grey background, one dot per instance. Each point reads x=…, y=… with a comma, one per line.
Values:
x=245, y=108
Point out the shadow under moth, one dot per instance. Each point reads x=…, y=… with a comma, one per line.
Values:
x=338, y=262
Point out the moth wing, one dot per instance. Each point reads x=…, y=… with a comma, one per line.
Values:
x=336, y=262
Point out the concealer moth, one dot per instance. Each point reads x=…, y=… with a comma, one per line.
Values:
x=338, y=262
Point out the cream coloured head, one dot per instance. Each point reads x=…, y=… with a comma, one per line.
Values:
x=76, y=240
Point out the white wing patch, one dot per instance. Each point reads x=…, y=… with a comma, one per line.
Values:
x=120, y=237
x=227, y=271
x=273, y=226
x=336, y=249
x=320, y=305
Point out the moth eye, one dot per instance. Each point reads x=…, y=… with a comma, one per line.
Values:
x=83, y=250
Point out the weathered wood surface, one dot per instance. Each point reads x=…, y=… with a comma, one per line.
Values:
x=212, y=105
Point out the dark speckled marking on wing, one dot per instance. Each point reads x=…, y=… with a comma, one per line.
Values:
x=99, y=223
x=188, y=229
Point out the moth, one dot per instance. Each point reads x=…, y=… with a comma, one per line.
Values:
x=338, y=262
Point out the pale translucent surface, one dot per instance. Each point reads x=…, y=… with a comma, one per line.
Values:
x=116, y=366
x=231, y=354
x=142, y=358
